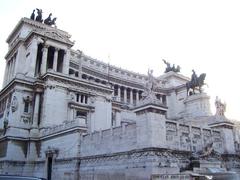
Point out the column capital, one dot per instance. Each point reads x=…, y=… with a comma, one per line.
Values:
x=56, y=49
x=65, y=51
x=45, y=47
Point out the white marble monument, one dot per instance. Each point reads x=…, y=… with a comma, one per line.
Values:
x=65, y=115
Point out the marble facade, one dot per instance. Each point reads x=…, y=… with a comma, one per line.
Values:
x=65, y=115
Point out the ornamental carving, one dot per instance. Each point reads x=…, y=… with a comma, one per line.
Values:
x=14, y=104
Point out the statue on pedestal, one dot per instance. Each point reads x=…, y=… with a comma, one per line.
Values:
x=220, y=107
x=150, y=85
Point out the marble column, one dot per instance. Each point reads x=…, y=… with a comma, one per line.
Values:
x=119, y=93
x=125, y=95
x=33, y=58
x=44, y=60
x=36, y=110
x=66, y=60
x=131, y=96
x=71, y=114
x=160, y=98
x=10, y=70
x=137, y=96
x=55, y=59
x=13, y=68
x=5, y=74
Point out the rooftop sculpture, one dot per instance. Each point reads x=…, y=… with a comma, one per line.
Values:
x=169, y=68
x=49, y=21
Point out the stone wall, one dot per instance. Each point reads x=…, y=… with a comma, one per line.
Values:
x=66, y=145
x=108, y=141
x=57, y=113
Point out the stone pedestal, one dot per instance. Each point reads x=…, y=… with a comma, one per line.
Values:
x=197, y=105
x=226, y=129
x=203, y=166
x=151, y=127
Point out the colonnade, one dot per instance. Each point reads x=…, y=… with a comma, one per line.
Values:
x=131, y=95
x=127, y=94
x=56, y=59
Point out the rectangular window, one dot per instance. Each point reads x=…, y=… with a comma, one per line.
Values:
x=81, y=113
x=82, y=97
x=26, y=106
x=77, y=97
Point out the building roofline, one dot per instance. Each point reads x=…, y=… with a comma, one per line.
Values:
x=25, y=20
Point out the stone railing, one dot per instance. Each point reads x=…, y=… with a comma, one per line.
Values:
x=113, y=70
x=117, y=139
x=64, y=126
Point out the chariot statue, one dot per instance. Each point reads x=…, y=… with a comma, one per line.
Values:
x=195, y=82
x=171, y=68
x=49, y=21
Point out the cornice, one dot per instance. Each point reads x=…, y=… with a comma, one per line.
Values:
x=35, y=24
x=17, y=81
x=76, y=82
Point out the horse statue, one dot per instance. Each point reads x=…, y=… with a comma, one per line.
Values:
x=199, y=82
x=39, y=16
x=53, y=22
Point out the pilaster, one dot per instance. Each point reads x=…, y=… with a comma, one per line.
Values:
x=44, y=60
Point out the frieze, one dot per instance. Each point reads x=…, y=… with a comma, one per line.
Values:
x=171, y=126
x=185, y=141
x=54, y=34
x=206, y=132
x=26, y=119
x=196, y=130
x=137, y=154
x=184, y=128
x=14, y=104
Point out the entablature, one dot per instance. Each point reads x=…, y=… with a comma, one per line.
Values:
x=77, y=84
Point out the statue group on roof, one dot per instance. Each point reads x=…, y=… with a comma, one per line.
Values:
x=49, y=21
x=171, y=68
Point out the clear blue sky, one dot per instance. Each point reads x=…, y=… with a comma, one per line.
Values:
x=137, y=34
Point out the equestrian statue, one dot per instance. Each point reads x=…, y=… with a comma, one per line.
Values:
x=195, y=82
